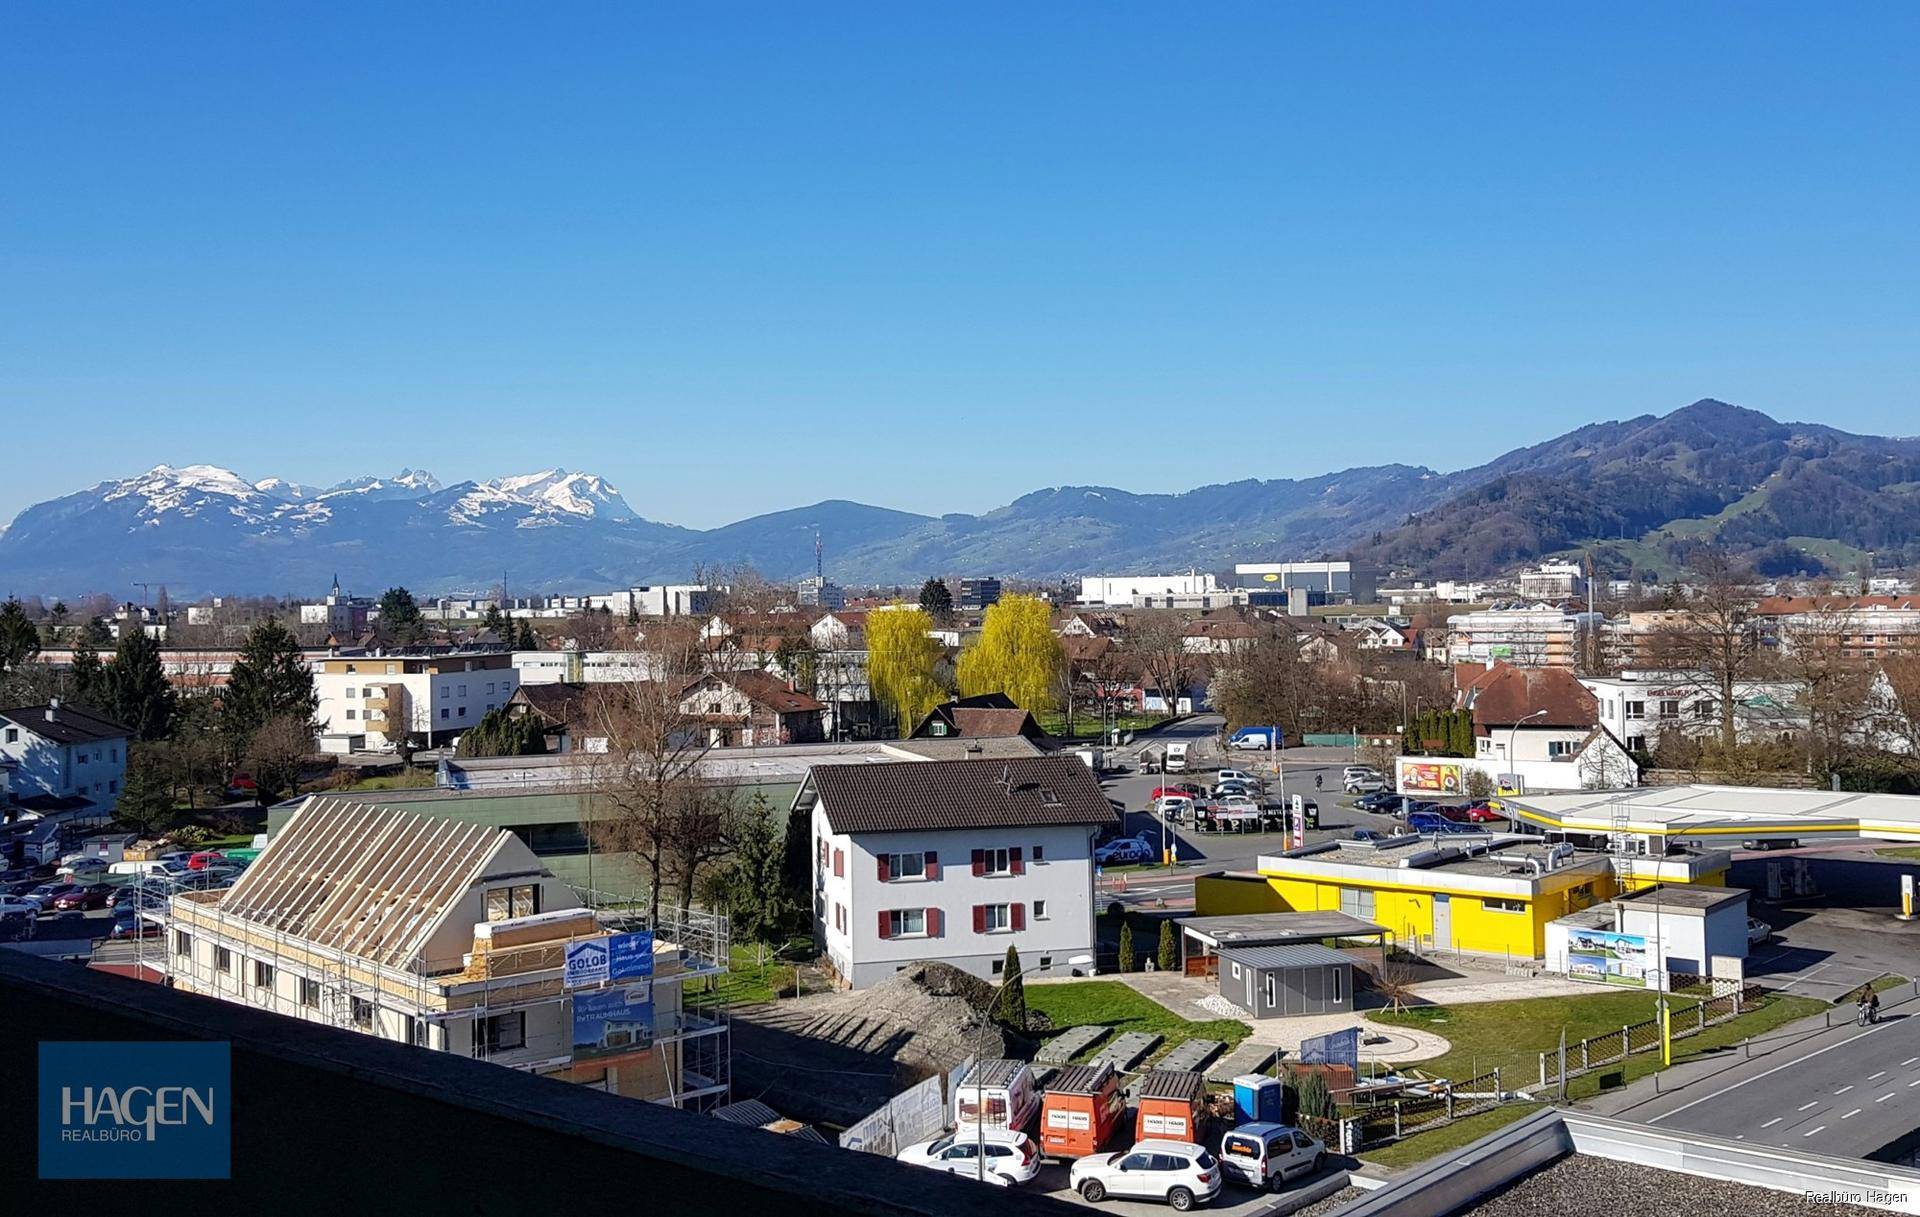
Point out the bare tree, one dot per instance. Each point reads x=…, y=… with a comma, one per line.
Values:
x=1156, y=638
x=1814, y=654
x=1898, y=707
x=1710, y=642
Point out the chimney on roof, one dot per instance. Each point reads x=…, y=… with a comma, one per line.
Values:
x=53, y=704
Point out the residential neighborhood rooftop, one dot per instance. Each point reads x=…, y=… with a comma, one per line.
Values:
x=959, y=794
x=64, y=723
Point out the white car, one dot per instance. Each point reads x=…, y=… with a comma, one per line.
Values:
x=1758, y=931
x=1364, y=783
x=1173, y=808
x=1236, y=775
x=991, y=1155
x=1123, y=851
x=1239, y=802
x=1179, y=1172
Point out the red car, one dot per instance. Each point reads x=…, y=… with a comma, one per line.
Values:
x=1179, y=790
x=204, y=859
x=92, y=896
x=1477, y=813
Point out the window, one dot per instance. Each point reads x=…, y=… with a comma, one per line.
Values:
x=352, y=692
x=997, y=862
x=223, y=960
x=840, y=917
x=309, y=992
x=1558, y=748
x=1335, y=991
x=1046, y=961
x=114, y=754
x=1039, y=908
x=443, y=691
x=463, y=690
x=113, y=786
x=443, y=712
x=416, y=1031
x=490, y=688
x=899, y=867
x=1669, y=707
x=1636, y=709
x=393, y=669
x=1356, y=902
x=1039, y=855
x=351, y=669
x=13, y=735
x=999, y=966
x=1504, y=906
x=262, y=974
x=463, y=711
x=350, y=713
x=839, y=863
x=362, y=1012
x=1236, y=971
x=520, y=900
x=502, y=1033
x=998, y=917
x=182, y=943
x=907, y=923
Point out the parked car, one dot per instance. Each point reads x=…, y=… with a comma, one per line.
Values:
x=82, y=870
x=17, y=921
x=1434, y=822
x=1176, y=790
x=128, y=923
x=1261, y=738
x=1758, y=931
x=90, y=896
x=1363, y=785
x=1368, y=834
x=992, y=1155
x=1263, y=1155
x=1771, y=843
x=42, y=897
x=1237, y=802
x=1174, y=808
x=1179, y=1172
x=1124, y=851
x=1236, y=775
x=1359, y=771
x=1222, y=789
x=1477, y=813
x=205, y=858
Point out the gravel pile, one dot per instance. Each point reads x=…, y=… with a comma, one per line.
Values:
x=1332, y=1204
x=1580, y=1185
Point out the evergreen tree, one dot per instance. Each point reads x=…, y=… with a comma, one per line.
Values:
x=796, y=858
x=86, y=679
x=760, y=907
x=1126, y=946
x=1010, y=1004
x=269, y=680
x=1169, y=952
x=499, y=733
x=56, y=629
x=528, y=640
x=145, y=805
x=494, y=621
x=19, y=640
x=138, y=693
x=936, y=600
x=400, y=616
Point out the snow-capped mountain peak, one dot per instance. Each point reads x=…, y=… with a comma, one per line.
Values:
x=185, y=489
x=407, y=484
x=575, y=494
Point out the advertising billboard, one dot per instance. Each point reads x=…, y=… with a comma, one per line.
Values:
x=1335, y=1048
x=612, y=1021
x=1437, y=778
x=586, y=962
x=630, y=956
x=1608, y=957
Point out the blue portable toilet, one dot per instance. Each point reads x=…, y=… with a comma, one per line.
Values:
x=1258, y=1098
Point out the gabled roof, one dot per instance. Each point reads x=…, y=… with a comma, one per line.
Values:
x=1504, y=695
x=982, y=716
x=769, y=691
x=369, y=881
x=558, y=702
x=69, y=724
x=909, y=795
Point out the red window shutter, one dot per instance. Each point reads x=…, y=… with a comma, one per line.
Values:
x=936, y=923
x=1019, y=916
x=881, y=861
x=1014, y=863
x=933, y=865
x=886, y=926
x=839, y=863
x=979, y=862
x=979, y=918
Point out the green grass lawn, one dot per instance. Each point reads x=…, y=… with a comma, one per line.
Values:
x=1112, y=1004
x=1421, y=1146
x=748, y=980
x=1905, y=853
x=1089, y=727
x=1513, y=1034
x=1889, y=981
x=407, y=779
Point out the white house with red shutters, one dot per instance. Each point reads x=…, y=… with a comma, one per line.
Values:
x=954, y=861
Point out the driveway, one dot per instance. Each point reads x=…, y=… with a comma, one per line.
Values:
x=1829, y=952
x=1200, y=1000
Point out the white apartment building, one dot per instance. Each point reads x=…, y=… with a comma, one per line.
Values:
x=657, y=600
x=583, y=667
x=433, y=696
x=63, y=758
x=1534, y=636
x=1551, y=581
x=954, y=861
x=1120, y=591
x=455, y=938
x=1638, y=706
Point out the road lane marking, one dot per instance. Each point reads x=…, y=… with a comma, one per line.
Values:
x=1883, y=1098
x=1769, y=1073
x=1910, y=1060
x=1912, y=1084
x=1772, y=1122
x=1851, y=1114
x=1876, y=1077
x=1844, y=1089
x=1815, y=1103
x=1812, y=1131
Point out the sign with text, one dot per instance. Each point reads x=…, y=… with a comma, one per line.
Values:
x=1440, y=779
x=135, y=1110
x=613, y=1021
x=587, y=962
x=1299, y=818
x=630, y=956
x=1336, y=1048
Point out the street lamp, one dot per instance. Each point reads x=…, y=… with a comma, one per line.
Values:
x=1513, y=734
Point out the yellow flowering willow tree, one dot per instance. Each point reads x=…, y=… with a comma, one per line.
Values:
x=903, y=663
x=1017, y=653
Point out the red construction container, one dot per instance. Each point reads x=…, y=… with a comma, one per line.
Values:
x=1172, y=1103
x=1083, y=1106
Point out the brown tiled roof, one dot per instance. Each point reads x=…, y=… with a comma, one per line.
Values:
x=1781, y=606
x=70, y=725
x=1505, y=695
x=558, y=702
x=987, y=724
x=770, y=691
x=1079, y=648
x=909, y=795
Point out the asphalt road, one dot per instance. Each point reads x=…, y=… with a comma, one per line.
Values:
x=1847, y=1091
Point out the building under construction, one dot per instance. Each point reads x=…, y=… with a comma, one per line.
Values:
x=454, y=937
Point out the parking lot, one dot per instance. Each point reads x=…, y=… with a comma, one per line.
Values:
x=1234, y=1200
x=1828, y=953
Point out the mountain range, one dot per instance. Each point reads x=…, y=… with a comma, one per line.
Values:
x=1643, y=493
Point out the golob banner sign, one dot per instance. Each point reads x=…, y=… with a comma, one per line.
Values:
x=617, y=957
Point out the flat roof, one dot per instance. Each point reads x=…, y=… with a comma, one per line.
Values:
x=1685, y=897
x=1272, y=929
x=1294, y=955
x=1725, y=811
x=1492, y=854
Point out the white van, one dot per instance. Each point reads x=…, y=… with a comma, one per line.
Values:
x=159, y=869
x=997, y=1093
x=1176, y=758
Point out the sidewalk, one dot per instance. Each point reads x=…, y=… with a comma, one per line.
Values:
x=1184, y=996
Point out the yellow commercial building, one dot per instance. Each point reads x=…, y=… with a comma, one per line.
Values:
x=1490, y=895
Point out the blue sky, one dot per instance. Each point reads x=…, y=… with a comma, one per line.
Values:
x=742, y=257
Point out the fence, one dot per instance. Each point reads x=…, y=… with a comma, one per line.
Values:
x=1597, y=1052
x=918, y=1113
x=1377, y=1119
